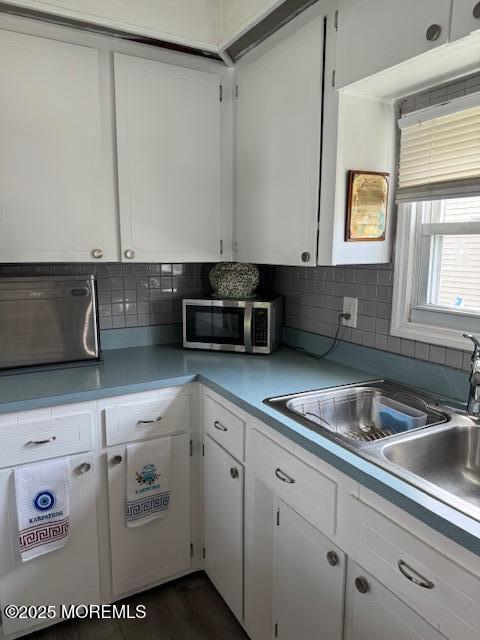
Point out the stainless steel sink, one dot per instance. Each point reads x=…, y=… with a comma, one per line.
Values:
x=345, y=413
x=441, y=458
x=444, y=461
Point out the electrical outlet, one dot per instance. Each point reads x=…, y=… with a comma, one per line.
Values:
x=350, y=305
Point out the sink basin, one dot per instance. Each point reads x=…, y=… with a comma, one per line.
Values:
x=346, y=413
x=441, y=458
x=447, y=457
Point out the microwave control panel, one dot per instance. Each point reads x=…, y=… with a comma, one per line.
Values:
x=260, y=327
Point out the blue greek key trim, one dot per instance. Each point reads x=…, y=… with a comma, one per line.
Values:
x=136, y=509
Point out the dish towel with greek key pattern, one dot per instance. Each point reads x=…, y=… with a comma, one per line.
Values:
x=42, y=492
x=148, y=481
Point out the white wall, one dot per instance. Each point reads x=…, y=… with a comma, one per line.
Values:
x=194, y=23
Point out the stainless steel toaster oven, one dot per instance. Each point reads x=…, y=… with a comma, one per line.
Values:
x=46, y=320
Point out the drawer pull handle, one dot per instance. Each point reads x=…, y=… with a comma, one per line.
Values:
x=116, y=459
x=332, y=557
x=417, y=578
x=218, y=425
x=234, y=472
x=145, y=423
x=84, y=467
x=46, y=441
x=283, y=476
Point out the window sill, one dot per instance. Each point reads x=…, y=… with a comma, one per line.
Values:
x=431, y=334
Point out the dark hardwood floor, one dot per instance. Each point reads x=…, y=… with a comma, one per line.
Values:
x=187, y=609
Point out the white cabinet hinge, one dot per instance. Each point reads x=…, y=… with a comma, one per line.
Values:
x=221, y=246
x=235, y=91
x=220, y=93
x=333, y=78
x=203, y=450
x=191, y=550
x=278, y=517
x=336, y=20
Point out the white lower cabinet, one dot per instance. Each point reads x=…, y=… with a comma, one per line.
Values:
x=374, y=613
x=309, y=581
x=146, y=554
x=295, y=576
x=223, y=504
x=66, y=576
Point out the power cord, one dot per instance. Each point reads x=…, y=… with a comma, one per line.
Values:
x=334, y=345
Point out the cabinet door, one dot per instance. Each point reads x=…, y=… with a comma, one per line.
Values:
x=374, y=35
x=168, y=145
x=223, y=490
x=66, y=576
x=308, y=591
x=378, y=613
x=149, y=553
x=259, y=553
x=279, y=111
x=465, y=18
x=52, y=202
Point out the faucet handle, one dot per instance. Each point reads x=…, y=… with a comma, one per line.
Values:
x=476, y=343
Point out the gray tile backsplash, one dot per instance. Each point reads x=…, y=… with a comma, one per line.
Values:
x=131, y=295
x=314, y=299
x=441, y=93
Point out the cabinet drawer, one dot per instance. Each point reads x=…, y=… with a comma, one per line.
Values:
x=308, y=491
x=25, y=442
x=450, y=597
x=146, y=419
x=225, y=427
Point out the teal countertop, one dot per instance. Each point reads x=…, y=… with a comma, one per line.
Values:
x=246, y=381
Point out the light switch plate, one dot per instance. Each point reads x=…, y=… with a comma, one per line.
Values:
x=350, y=305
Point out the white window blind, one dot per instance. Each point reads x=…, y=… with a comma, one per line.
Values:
x=440, y=152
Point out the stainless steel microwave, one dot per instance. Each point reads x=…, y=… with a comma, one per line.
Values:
x=245, y=326
x=47, y=320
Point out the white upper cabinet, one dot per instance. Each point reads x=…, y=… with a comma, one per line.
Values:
x=279, y=113
x=52, y=201
x=168, y=145
x=465, y=18
x=374, y=35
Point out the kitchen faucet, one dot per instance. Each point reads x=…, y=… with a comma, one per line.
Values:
x=474, y=394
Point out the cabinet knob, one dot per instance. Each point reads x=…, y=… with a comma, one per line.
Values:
x=129, y=254
x=84, y=467
x=234, y=472
x=362, y=585
x=433, y=32
x=116, y=459
x=476, y=11
x=306, y=256
x=96, y=253
x=332, y=558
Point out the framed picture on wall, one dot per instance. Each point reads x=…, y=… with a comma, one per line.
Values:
x=367, y=205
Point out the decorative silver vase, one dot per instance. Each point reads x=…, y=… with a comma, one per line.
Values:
x=234, y=280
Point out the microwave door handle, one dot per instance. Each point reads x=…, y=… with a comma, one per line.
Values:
x=247, y=327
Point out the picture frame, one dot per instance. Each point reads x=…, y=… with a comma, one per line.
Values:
x=367, y=206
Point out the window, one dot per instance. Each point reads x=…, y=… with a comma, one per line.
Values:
x=437, y=261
